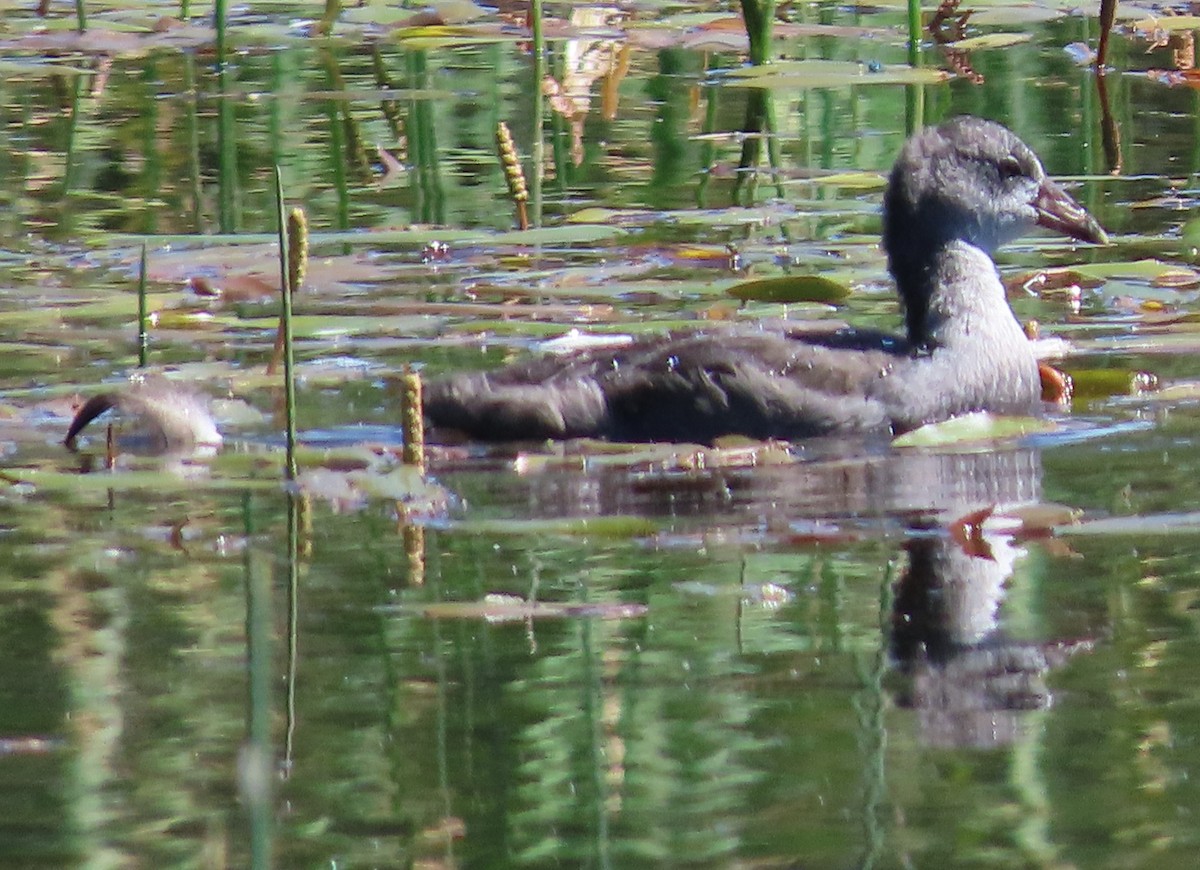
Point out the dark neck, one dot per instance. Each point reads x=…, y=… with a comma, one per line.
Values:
x=949, y=290
x=916, y=283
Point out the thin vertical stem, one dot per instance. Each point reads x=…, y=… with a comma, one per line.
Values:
x=289, y=380
x=143, y=338
x=914, y=33
x=255, y=762
x=220, y=16
x=537, y=152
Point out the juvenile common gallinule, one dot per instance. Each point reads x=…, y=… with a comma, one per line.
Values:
x=956, y=193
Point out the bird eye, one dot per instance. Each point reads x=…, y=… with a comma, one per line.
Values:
x=1010, y=167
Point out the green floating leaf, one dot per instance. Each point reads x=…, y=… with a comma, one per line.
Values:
x=435, y=36
x=168, y=479
x=335, y=326
x=1183, y=391
x=608, y=527
x=378, y=14
x=1006, y=16
x=509, y=608
x=789, y=289
x=601, y=215
x=798, y=74
x=1102, y=383
x=1168, y=23
x=971, y=428
x=561, y=235
x=992, y=40
x=1155, y=524
x=1148, y=269
x=848, y=180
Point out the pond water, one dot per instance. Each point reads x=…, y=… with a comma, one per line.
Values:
x=577, y=656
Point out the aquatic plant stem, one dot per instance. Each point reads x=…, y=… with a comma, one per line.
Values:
x=285, y=317
x=80, y=16
x=914, y=108
x=539, y=121
x=914, y=33
x=333, y=8
x=758, y=16
x=255, y=774
x=227, y=177
x=220, y=16
x=296, y=511
x=143, y=339
x=1108, y=14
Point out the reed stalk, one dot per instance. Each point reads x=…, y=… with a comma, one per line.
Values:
x=143, y=336
x=285, y=317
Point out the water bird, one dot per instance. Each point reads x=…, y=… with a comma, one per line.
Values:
x=159, y=417
x=957, y=192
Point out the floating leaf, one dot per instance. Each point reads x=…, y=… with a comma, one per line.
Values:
x=510, y=608
x=600, y=215
x=794, y=75
x=167, y=478
x=991, y=40
x=970, y=428
x=1102, y=383
x=1155, y=524
x=1184, y=391
x=561, y=235
x=574, y=341
x=1042, y=516
x=847, y=180
x=436, y=36
x=609, y=527
x=1167, y=24
x=1005, y=16
x=353, y=488
x=790, y=289
x=1148, y=269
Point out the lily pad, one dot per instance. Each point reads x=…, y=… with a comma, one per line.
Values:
x=1102, y=383
x=795, y=75
x=1155, y=524
x=616, y=526
x=1167, y=24
x=790, y=289
x=1148, y=269
x=561, y=235
x=973, y=428
x=510, y=608
x=847, y=180
x=992, y=40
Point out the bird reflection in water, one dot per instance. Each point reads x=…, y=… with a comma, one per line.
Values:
x=967, y=680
